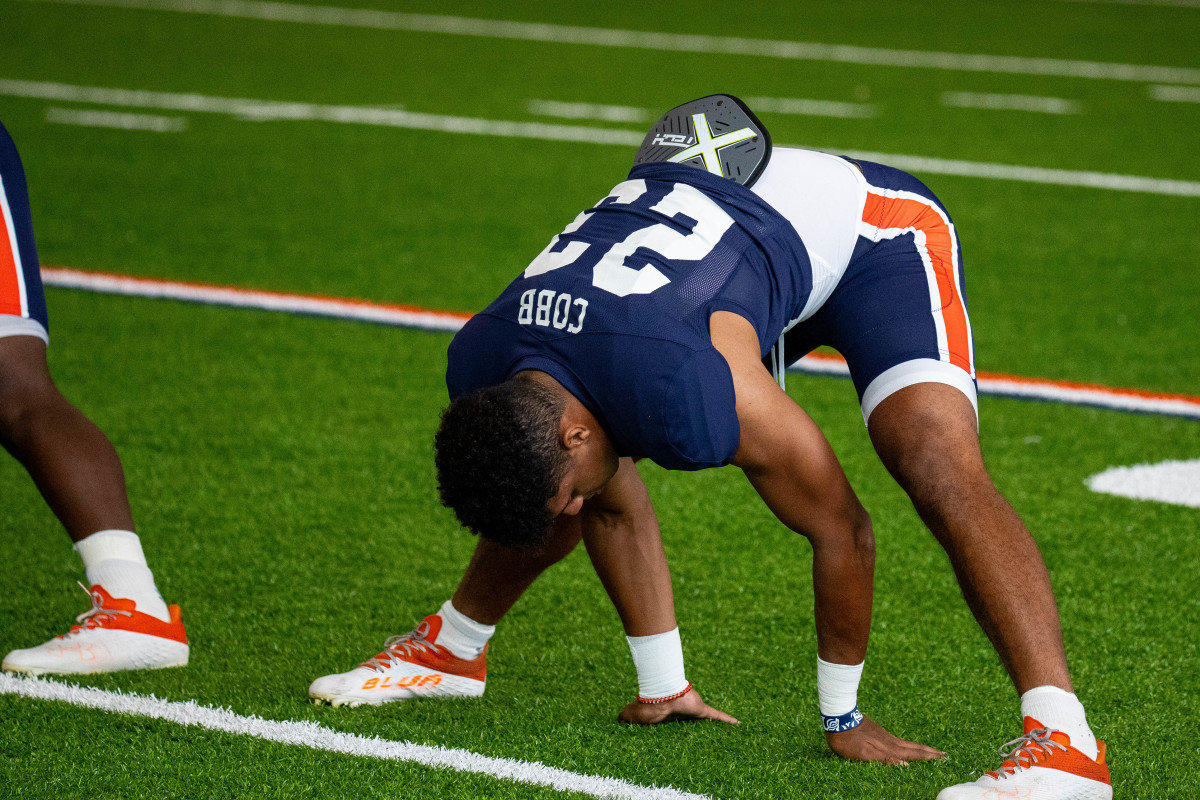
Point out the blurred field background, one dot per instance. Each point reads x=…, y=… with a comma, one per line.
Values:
x=280, y=467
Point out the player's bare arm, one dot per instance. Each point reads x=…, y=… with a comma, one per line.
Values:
x=620, y=531
x=792, y=467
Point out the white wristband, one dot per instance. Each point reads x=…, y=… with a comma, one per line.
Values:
x=658, y=660
x=837, y=687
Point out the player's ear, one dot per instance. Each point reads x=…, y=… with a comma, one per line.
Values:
x=576, y=435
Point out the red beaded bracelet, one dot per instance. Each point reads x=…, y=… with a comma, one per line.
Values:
x=667, y=699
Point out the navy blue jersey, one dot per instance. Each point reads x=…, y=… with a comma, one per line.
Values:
x=616, y=309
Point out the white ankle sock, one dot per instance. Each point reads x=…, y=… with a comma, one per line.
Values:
x=461, y=635
x=114, y=559
x=1059, y=709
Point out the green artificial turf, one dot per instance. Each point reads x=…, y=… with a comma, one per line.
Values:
x=286, y=500
x=280, y=467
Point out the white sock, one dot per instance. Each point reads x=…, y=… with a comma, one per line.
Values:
x=1059, y=709
x=461, y=635
x=658, y=660
x=114, y=559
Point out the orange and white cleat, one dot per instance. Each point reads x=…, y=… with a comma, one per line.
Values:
x=111, y=637
x=412, y=664
x=1041, y=765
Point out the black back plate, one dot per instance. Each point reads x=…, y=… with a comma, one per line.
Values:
x=717, y=133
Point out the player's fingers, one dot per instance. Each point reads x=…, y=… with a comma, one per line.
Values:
x=718, y=715
x=922, y=752
x=911, y=750
x=899, y=752
x=889, y=757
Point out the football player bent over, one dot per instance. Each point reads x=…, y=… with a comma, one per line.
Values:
x=650, y=328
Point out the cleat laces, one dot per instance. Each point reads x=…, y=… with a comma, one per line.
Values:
x=1022, y=753
x=97, y=616
x=404, y=644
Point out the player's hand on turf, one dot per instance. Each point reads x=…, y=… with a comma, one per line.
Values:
x=870, y=742
x=688, y=707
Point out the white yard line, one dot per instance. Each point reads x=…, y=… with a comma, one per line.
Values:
x=266, y=110
x=811, y=108
x=605, y=113
x=1175, y=482
x=113, y=119
x=410, y=317
x=646, y=40
x=1010, y=102
x=318, y=737
x=768, y=105
x=1176, y=94
x=1048, y=175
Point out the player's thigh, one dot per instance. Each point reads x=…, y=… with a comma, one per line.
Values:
x=926, y=436
x=25, y=381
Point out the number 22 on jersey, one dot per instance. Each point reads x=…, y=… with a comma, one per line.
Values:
x=683, y=204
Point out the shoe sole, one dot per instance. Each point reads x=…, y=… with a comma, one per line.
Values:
x=34, y=672
x=452, y=686
x=355, y=702
x=338, y=702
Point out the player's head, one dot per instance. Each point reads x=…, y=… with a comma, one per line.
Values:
x=500, y=460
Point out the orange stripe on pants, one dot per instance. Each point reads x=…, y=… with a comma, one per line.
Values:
x=10, y=280
x=901, y=213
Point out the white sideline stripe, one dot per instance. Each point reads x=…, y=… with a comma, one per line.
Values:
x=112, y=119
x=811, y=108
x=1176, y=94
x=1001, y=385
x=261, y=110
x=646, y=40
x=318, y=737
x=1043, y=390
x=1175, y=482
x=1010, y=102
x=1097, y=396
x=248, y=298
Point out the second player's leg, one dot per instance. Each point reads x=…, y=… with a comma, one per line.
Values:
x=72, y=462
x=926, y=436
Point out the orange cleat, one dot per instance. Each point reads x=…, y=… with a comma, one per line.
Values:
x=112, y=636
x=1041, y=765
x=412, y=664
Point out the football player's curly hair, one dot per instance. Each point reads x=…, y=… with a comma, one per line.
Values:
x=499, y=461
